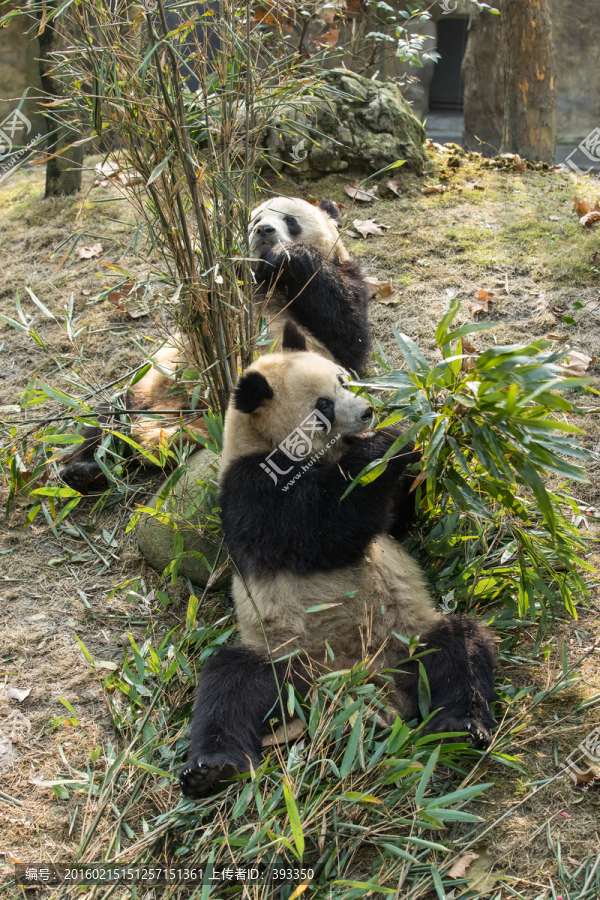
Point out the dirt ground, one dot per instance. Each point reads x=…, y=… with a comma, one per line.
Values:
x=517, y=236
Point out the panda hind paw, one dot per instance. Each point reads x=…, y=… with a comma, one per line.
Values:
x=201, y=776
x=478, y=731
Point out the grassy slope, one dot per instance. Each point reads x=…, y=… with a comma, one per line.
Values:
x=501, y=238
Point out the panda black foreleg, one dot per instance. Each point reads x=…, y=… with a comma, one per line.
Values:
x=461, y=678
x=81, y=470
x=236, y=701
x=328, y=299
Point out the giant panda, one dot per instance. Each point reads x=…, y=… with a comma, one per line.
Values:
x=295, y=437
x=303, y=272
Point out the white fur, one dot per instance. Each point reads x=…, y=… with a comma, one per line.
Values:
x=318, y=228
x=382, y=594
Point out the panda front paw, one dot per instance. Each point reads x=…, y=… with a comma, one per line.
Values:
x=272, y=265
x=476, y=729
x=203, y=774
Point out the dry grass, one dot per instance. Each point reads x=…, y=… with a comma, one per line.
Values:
x=501, y=238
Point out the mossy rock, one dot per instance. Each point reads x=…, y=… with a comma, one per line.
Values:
x=372, y=126
x=188, y=506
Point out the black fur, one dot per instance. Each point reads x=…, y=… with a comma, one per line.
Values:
x=308, y=528
x=461, y=678
x=329, y=299
x=238, y=702
x=293, y=338
x=293, y=225
x=251, y=392
x=82, y=472
x=332, y=210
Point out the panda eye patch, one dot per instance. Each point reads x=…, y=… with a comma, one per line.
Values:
x=293, y=226
x=326, y=407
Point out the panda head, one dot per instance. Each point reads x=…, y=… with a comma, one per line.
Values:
x=297, y=400
x=288, y=220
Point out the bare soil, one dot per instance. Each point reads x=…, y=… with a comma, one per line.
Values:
x=518, y=237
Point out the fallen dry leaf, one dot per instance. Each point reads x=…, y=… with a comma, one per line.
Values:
x=381, y=290
x=357, y=193
x=432, y=145
x=471, y=350
x=557, y=311
x=558, y=337
x=484, y=298
x=86, y=293
x=588, y=220
x=516, y=161
x=461, y=865
x=88, y=252
x=112, y=170
x=19, y=694
x=577, y=363
x=126, y=299
x=369, y=226
x=578, y=777
x=434, y=189
x=295, y=729
x=475, y=867
x=394, y=187
x=582, y=206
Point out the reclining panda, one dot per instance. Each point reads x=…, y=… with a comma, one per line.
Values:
x=294, y=439
x=304, y=273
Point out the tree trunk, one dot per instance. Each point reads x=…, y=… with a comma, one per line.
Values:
x=63, y=172
x=483, y=75
x=530, y=105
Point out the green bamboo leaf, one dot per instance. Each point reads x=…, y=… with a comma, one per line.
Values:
x=86, y=652
x=139, y=375
x=426, y=776
x=40, y=305
x=191, y=613
x=413, y=356
x=62, y=438
x=170, y=483
x=424, y=693
x=59, y=395
x=294, y=818
x=366, y=885
x=56, y=492
x=14, y=324
x=156, y=172
x=139, y=764
x=452, y=815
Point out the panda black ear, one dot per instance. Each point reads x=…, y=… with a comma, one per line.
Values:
x=332, y=210
x=293, y=338
x=251, y=392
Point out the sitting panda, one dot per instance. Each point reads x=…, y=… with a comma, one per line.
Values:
x=303, y=272
x=294, y=439
x=308, y=276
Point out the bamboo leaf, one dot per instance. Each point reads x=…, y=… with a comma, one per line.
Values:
x=294, y=818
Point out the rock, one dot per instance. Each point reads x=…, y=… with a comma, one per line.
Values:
x=364, y=133
x=187, y=506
